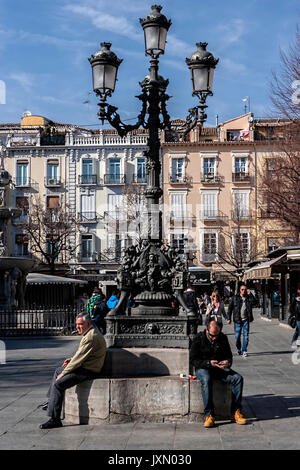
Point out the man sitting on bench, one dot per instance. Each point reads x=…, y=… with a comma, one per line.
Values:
x=212, y=358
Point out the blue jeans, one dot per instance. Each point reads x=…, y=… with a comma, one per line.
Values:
x=296, y=332
x=240, y=328
x=207, y=376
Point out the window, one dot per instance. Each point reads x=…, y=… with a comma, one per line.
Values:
x=178, y=206
x=52, y=171
x=177, y=170
x=233, y=135
x=114, y=170
x=88, y=174
x=273, y=243
x=87, y=247
x=21, y=242
x=53, y=202
x=241, y=205
x=52, y=246
x=209, y=248
x=177, y=242
x=241, y=246
x=141, y=171
x=87, y=207
x=209, y=205
x=209, y=167
x=115, y=203
x=240, y=165
x=22, y=202
x=22, y=173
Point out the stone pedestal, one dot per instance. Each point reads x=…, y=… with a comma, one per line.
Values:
x=144, y=399
x=151, y=331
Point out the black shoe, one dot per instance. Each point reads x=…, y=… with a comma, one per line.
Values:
x=239, y=352
x=44, y=406
x=52, y=423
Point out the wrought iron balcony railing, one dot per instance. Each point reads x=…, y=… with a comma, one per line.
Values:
x=88, y=217
x=87, y=179
x=52, y=182
x=240, y=177
x=137, y=179
x=114, y=179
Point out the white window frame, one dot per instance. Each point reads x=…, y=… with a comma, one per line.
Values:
x=201, y=244
x=236, y=192
x=214, y=213
x=180, y=215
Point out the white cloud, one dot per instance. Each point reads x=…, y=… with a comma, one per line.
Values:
x=232, y=32
x=24, y=79
x=105, y=21
x=232, y=67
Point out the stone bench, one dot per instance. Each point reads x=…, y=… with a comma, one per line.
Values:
x=141, y=384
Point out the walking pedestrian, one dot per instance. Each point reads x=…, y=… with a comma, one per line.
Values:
x=295, y=311
x=212, y=358
x=240, y=307
x=216, y=310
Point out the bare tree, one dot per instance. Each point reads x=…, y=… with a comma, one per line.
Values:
x=49, y=230
x=285, y=84
x=280, y=188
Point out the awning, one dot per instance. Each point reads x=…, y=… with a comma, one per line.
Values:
x=262, y=270
x=38, y=278
x=223, y=273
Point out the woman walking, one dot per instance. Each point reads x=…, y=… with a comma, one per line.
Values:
x=216, y=310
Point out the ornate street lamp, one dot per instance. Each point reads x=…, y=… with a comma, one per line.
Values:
x=151, y=273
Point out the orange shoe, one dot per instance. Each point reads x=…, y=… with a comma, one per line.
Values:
x=209, y=421
x=239, y=418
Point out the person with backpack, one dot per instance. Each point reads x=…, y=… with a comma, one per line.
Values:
x=113, y=300
x=97, y=310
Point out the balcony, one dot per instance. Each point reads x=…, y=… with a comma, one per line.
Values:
x=209, y=257
x=24, y=182
x=52, y=182
x=114, y=179
x=88, y=217
x=210, y=178
x=87, y=180
x=136, y=179
x=241, y=215
x=88, y=257
x=179, y=179
x=240, y=177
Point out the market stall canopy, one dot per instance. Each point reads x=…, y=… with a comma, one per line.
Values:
x=263, y=270
x=38, y=279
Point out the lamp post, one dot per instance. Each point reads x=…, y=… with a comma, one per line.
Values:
x=152, y=273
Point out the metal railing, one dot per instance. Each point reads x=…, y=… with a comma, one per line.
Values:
x=87, y=179
x=114, y=179
x=240, y=176
x=31, y=322
x=49, y=181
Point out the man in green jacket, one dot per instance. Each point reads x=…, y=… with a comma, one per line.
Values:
x=86, y=364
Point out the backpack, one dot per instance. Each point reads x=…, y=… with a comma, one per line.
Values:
x=96, y=306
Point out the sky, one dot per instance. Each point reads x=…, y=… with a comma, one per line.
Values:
x=45, y=45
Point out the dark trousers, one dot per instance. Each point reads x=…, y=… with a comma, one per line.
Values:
x=56, y=392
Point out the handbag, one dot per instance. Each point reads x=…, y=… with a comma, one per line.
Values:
x=292, y=321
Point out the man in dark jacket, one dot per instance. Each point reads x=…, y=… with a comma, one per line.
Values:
x=240, y=307
x=212, y=358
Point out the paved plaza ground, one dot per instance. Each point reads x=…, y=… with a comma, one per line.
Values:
x=271, y=401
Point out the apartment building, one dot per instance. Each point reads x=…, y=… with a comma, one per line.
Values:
x=214, y=206
x=91, y=173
